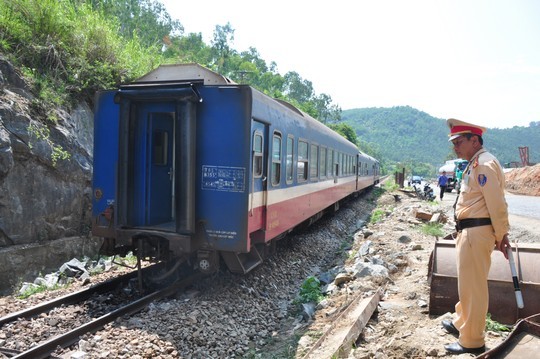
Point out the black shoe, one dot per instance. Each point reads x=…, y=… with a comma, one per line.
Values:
x=449, y=326
x=456, y=348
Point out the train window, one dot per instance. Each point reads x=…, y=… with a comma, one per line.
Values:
x=257, y=154
x=323, y=161
x=289, y=161
x=302, y=164
x=314, y=164
x=276, y=159
x=160, y=145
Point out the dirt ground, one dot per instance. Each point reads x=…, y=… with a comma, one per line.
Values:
x=402, y=326
x=525, y=180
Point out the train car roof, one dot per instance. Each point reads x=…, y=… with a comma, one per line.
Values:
x=185, y=73
x=301, y=116
x=193, y=72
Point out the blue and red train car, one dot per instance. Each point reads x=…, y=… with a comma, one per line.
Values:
x=189, y=165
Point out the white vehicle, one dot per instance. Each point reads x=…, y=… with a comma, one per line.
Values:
x=450, y=168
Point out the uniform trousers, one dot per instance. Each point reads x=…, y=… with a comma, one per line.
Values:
x=473, y=256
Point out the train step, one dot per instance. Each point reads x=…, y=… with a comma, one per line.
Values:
x=242, y=262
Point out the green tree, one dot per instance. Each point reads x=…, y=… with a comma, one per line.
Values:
x=222, y=52
x=327, y=112
x=187, y=49
x=146, y=19
x=73, y=48
x=346, y=131
x=296, y=88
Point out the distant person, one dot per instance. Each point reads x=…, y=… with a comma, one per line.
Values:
x=460, y=167
x=481, y=215
x=443, y=183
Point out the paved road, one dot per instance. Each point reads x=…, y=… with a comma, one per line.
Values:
x=527, y=206
x=524, y=215
x=519, y=205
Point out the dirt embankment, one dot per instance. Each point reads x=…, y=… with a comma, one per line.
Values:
x=524, y=180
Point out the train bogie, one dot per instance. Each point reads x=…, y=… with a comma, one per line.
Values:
x=189, y=165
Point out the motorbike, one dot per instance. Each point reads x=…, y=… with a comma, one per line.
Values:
x=426, y=193
x=429, y=194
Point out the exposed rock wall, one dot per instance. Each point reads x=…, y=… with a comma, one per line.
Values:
x=42, y=198
x=23, y=263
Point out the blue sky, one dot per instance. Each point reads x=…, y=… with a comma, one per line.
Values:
x=476, y=60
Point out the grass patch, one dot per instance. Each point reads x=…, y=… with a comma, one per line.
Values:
x=310, y=291
x=390, y=185
x=42, y=133
x=432, y=229
x=495, y=326
x=377, y=215
x=35, y=289
x=129, y=260
x=31, y=290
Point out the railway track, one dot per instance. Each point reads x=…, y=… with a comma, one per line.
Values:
x=46, y=348
x=68, y=299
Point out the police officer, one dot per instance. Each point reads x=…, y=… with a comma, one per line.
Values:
x=481, y=216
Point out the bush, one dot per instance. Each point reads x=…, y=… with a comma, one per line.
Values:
x=311, y=291
x=494, y=326
x=71, y=48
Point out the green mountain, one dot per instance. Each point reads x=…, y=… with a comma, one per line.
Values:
x=406, y=137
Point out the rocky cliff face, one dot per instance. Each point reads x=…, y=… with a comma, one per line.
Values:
x=42, y=196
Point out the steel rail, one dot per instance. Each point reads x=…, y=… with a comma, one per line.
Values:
x=67, y=299
x=45, y=349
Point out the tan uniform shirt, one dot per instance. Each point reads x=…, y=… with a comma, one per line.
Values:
x=482, y=193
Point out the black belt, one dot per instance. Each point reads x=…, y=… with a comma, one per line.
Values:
x=471, y=222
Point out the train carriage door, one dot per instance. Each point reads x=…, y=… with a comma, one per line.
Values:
x=258, y=195
x=357, y=171
x=160, y=172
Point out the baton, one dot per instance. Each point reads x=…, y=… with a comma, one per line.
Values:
x=517, y=291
